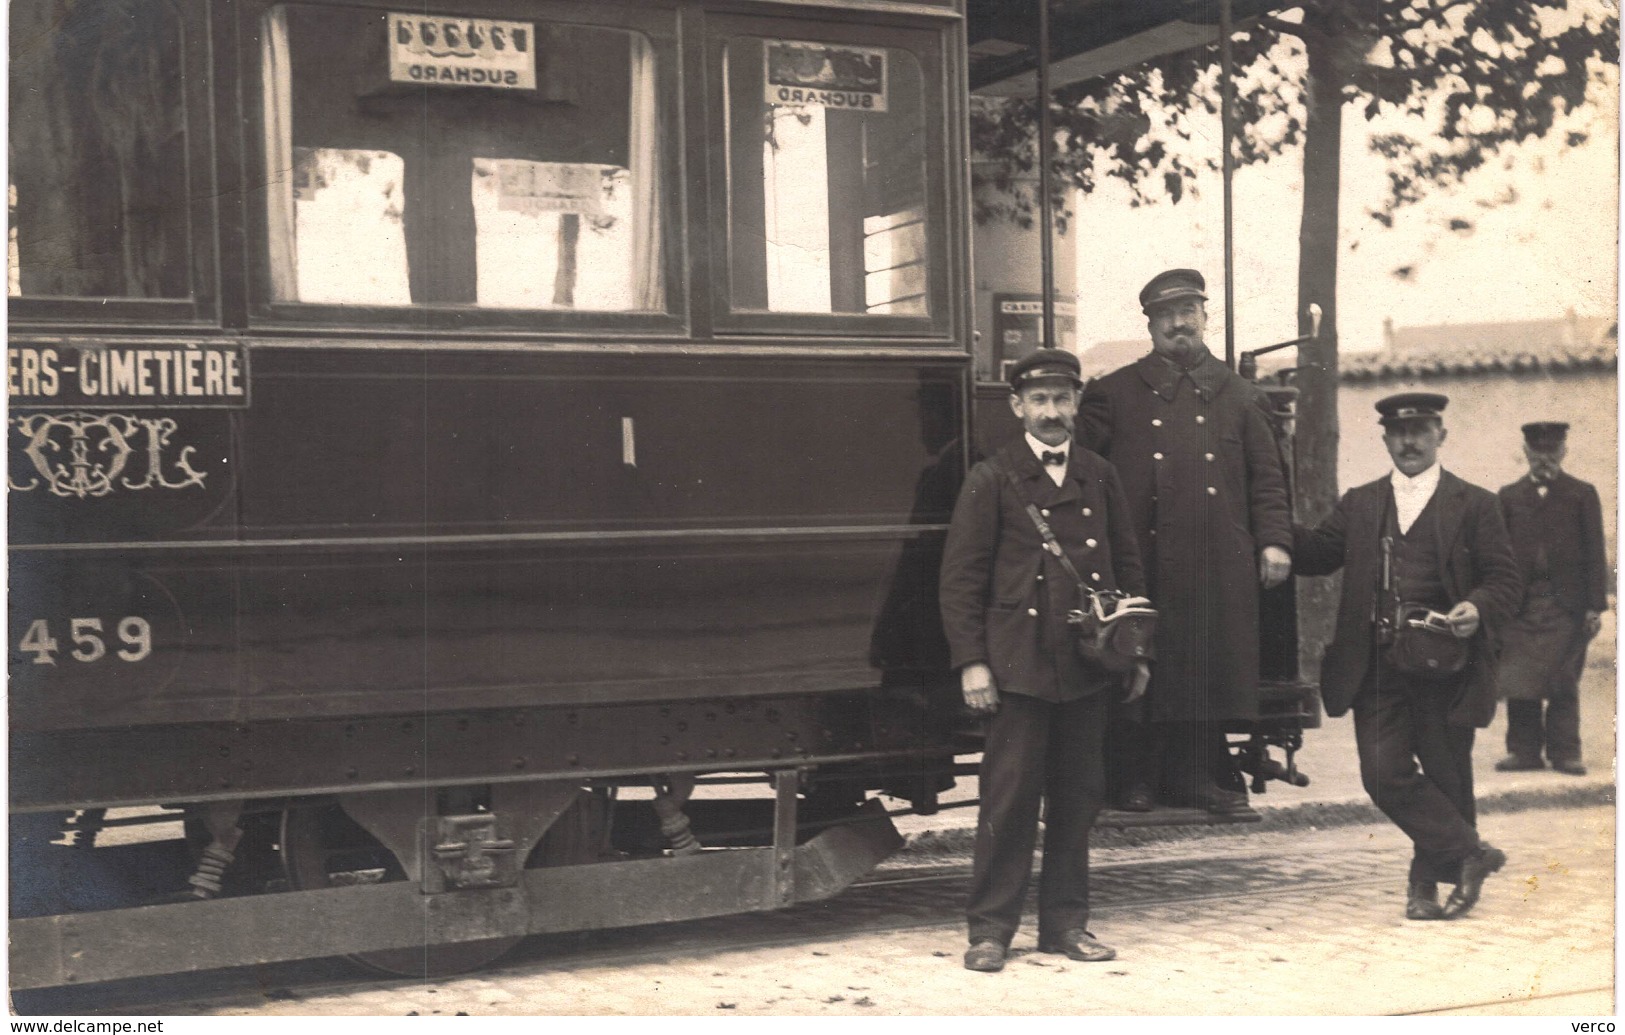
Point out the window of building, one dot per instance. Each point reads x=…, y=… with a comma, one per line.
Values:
x=429, y=160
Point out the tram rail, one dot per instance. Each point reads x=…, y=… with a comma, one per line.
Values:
x=1234, y=876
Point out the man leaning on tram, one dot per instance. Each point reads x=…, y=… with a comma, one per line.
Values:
x=1429, y=577
x=1005, y=599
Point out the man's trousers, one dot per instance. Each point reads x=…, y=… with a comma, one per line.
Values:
x=1543, y=658
x=1037, y=751
x=1552, y=725
x=1418, y=768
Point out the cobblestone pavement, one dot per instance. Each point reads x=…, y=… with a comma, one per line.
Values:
x=1330, y=759
x=1291, y=923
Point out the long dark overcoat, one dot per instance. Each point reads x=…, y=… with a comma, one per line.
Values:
x=1478, y=566
x=1206, y=493
x=1566, y=527
x=1004, y=598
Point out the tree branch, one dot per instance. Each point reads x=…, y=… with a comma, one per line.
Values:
x=1279, y=26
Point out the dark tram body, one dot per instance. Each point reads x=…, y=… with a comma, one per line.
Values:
x=443, y=448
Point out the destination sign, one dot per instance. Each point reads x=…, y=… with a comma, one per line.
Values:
x=462, y=52
x=210, y=375
x=825, y=76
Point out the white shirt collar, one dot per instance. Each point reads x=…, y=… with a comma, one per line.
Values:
x=1057, y=473
x=1411, y=495
x=1422, y=485
x=1039, y=448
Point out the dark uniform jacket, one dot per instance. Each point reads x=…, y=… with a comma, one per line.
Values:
x=1478, y=566
x=1560, y=537
x=1004, y=597
x=1206, y=492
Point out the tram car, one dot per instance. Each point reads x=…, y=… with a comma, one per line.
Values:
x=479, y=472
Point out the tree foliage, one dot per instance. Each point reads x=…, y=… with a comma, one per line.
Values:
x=1480, y=75
x=1476, y=77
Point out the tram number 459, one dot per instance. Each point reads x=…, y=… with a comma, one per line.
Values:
x=88, y=643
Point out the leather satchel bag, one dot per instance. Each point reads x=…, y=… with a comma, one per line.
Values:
x=1109, y=628
x=1424, y=644
x=1113, y=629
x=1419, y=640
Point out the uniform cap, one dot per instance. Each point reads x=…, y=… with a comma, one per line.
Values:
x=1170, y=285
x=1043, y=363
x=1545, y=434
x=1411, y=406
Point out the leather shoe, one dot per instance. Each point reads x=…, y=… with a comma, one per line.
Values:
x=1571, y=766
x=1474, y=870
x=1422, y=901
x=1136, y=799
x=1078, y=945
x=1518, y=764
x=1212, y=798
x=987, y=957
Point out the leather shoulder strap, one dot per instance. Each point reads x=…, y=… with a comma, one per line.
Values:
x=1051, y=544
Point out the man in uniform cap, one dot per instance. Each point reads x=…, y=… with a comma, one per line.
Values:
x=1192, y=442
x=1447, y=551
x=1004, y=601
x=1555, y=521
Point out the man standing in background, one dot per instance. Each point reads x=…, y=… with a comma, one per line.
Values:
x=1192, y=442
x=1555, y=521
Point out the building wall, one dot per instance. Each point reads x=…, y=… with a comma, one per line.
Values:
x=1485, y=445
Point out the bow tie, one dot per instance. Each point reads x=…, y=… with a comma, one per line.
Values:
x=1052, y=458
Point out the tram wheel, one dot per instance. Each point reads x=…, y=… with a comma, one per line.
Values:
x=323, y=847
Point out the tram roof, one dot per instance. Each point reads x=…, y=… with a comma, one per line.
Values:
x=1088, y=38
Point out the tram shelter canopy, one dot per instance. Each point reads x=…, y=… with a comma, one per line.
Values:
x=1088, y=38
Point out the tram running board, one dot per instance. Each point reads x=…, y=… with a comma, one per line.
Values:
x=78, y=948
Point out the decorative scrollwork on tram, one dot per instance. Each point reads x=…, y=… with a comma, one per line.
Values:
x=81, y=455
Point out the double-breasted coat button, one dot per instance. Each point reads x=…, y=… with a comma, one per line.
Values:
x=1211, y=491
x=1095, y=575
x=1044, y=512
x=1208, y=457
x=1087, y=512
x=1156, y=456
x=1156, y=422
x=1201, y=419
x=1033, y=611
x=1090, y=543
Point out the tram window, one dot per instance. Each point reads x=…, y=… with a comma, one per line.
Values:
x=527, y=177
x=827, y=180
x=97, y=192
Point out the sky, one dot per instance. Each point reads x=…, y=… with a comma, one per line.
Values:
x=1555, y=248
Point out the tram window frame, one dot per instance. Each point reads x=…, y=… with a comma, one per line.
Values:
x=657, y=25
x=928, y=47
x=201, y=305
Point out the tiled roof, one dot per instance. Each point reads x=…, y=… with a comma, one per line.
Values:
x=1444, y=361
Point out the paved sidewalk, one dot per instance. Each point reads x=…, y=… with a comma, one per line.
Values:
x=1294, y=924
x=1335, y=794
